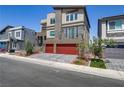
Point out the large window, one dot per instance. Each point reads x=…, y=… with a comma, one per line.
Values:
x=115, y=25
x=71, y=16
x=52, y=21
x=71, y=32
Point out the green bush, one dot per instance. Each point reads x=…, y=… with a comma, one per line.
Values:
x=98, y=63
x=28, y=47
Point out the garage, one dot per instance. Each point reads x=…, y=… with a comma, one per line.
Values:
x=66, y=49
x=49, y=48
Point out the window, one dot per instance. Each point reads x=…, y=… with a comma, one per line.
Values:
x=52, y=21
x=111, y=25
x=67, y=18
x=75, y=16
x=52, y=33
x=118, y=24
x=115, y=25
x=44, y=37
x=71, y=32
x=17, y=34
x=71, y=16
x=10, y=34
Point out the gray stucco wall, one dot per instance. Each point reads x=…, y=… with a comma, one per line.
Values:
x=29, y=34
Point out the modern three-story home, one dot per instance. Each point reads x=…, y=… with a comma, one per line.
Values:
x=13, y=38
x=65, y=28
x=112, y=28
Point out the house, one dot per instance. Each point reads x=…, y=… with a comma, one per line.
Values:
x=65, y=28
x=14, y=38
x=112, y=27
x=41, y=36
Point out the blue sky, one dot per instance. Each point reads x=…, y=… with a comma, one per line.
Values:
x=30, y=16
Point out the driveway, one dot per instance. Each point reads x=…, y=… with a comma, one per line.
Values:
x=55, y=57
x=114, y=53
x=115, y=64
x=114, y=58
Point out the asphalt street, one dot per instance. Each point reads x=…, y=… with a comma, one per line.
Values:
x=22, y=74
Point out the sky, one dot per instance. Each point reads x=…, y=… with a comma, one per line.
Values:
x=30, y=16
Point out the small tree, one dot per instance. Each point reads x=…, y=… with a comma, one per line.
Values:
x=81, y=47
x=28, y=47
x=97, y=46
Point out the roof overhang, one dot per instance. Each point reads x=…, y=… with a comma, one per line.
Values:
x=112, y=17
x=67, y=6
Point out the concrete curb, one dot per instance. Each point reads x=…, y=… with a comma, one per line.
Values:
x=83, y=69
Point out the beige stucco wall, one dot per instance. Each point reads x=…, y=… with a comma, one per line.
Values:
x=80, y=16
x=103, y=30
x=49, y=16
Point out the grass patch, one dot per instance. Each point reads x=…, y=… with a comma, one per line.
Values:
x=98, y=63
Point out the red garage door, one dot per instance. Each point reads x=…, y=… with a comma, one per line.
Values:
x=66, y=49
x=49, y=48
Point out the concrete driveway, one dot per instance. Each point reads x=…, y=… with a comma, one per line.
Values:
x=115, y=64
x=55, y=57
x=114, y=58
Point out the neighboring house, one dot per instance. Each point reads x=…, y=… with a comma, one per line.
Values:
x=112, y=28
x=41, y=36
x=15, y=37
x=65, y=28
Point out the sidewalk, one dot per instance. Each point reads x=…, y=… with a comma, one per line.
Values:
x=82, y=69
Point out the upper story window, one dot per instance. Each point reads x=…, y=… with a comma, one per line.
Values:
x=52, y=21
x=17, y=34
x=115, y=25
x=71, y=16
x=9, y=34
x=76, y=16
x=67, y=17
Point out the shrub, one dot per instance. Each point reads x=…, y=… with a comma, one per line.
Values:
x=97, y=46
x=28, y=47
x=80, y=62
x=98, y=63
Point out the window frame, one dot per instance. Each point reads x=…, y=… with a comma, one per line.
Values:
x=72, y=16
x=52, y=20
x=71, y=32
x=54, y=33
x=19, y=37
x=9, y=34
x=115, y=29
